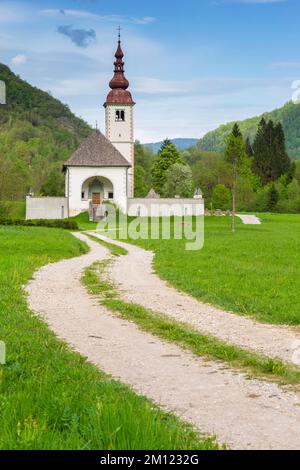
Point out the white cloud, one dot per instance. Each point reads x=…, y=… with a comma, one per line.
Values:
x=82, y=14
x=285, y=65
x=201, y=86
x=19, y=59
x=72, y=13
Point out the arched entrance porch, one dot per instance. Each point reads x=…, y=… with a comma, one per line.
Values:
x=96, y=191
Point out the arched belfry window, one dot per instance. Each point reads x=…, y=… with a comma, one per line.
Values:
x=120, y=115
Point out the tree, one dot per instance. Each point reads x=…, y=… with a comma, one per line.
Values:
x=167, y=157
x=165, y=144
x=281, y=161
x=13, y=178
x=291, y=172
x=236, y=156
x=236, y=130
x=273, y=197
x=270, y=157
x=293, y=189
x=262, y=151
x=179, y=181
x=140, y=185
x=221, y=197
x=54, y=184
x=248, y=147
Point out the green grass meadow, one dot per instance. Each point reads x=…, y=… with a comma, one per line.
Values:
x=254, y=271
x=51, y=397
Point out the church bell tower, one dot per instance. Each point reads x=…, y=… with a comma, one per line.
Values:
x=119, y=122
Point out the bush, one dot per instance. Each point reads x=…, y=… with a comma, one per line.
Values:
x=221, y=197
x=57, y=223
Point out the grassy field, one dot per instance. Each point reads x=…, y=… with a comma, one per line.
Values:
x=50, y=397
x=255, y=271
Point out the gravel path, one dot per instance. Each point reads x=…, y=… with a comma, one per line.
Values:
x=246, y=414
x=249, y=219
x=134, y=276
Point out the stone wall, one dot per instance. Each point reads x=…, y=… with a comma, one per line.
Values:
x=46, y=207
x=145, y=207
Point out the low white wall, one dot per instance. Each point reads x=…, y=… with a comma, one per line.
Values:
x=165, y=207
x=46, y=207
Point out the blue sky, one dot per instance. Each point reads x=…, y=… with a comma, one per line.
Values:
x=192, y=65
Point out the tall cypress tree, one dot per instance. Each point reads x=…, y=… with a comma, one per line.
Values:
x=261, y=165
x=282, y=162
x=270, y=157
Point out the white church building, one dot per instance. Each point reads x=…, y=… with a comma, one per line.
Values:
x=102, y=168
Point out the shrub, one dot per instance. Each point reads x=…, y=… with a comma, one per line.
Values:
x=56, y=223
x=221, y=197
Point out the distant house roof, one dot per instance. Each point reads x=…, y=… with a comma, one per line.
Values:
x=97, y=150
x=153, y=195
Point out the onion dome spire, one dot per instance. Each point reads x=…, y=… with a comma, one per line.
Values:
x=119, y=82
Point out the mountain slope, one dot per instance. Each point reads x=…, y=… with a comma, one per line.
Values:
x=180, y=143
x=288, y=115
x=37, y=134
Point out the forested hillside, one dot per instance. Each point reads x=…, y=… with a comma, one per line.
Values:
x=37, y=134
x=288, y=115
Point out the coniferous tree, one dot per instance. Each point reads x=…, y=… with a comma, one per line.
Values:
x=165, y=143
x=282, y=163
x=291, y=172
x=270, y=157
x=273, y=197
x=236, y=130
x=260, y=150
x=248, y=147
x=167, y=156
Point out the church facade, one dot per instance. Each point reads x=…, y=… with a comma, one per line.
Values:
x=102, y=169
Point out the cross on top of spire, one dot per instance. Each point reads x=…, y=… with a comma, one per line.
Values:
x=119, y=33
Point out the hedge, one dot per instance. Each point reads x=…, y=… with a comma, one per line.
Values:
x=57, y=223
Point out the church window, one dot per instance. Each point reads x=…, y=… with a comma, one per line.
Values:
x=110, y=195
x=120, y=115
x=82, y=195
